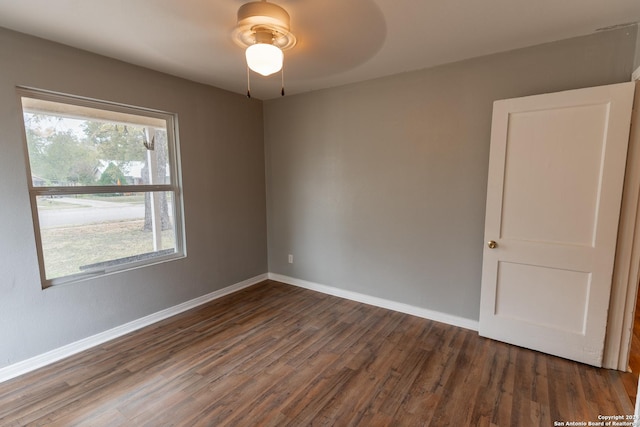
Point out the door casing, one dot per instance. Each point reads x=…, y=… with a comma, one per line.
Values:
x=626, y=272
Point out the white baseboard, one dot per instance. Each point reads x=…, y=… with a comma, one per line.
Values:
x=636, y=75
x=380, y=302
x=57, y=354
x=52, y=356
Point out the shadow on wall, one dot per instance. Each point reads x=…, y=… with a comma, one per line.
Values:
x=334, y=36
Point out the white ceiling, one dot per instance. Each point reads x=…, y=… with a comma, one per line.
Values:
x=339, y=41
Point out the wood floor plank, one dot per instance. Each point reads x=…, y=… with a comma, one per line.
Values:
x=525, y=410
x=276, y=355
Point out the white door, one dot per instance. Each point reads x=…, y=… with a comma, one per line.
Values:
x=556, y=171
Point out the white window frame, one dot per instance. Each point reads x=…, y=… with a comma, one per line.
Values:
x=175, y=185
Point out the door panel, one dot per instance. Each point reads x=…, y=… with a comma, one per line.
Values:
x=556, y=172
x=540, y=144
x=521, y=291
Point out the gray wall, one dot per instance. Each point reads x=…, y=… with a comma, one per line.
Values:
x=221, y=138
x=636, y=62
x=379, y=187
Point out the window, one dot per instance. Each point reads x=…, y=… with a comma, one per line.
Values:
x=104, y=186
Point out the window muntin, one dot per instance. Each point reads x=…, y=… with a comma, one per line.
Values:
x=103, y=184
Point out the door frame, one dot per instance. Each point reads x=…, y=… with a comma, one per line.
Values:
x=626, y=272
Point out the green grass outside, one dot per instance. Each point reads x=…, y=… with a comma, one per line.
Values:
x=67, y=248
x=52, y=203
x=126, y=198
x=49, y=204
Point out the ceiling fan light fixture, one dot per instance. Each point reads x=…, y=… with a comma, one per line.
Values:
x=263, y=30
x=264, y=59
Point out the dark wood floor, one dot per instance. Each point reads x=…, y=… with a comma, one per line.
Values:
x=276, y=355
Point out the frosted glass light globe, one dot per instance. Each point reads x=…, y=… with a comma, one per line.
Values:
x=264, y=58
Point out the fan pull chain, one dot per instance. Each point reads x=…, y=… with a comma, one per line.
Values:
x=282, y=73
x=248, y=83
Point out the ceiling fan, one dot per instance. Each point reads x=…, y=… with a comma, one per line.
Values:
x=263, y=29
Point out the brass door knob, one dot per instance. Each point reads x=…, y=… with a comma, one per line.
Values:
x=492, y=244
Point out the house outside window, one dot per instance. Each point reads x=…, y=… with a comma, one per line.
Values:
x=104, y=184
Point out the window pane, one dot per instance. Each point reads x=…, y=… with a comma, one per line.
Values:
x=82, y=144
x=96, y=232
x=71, y=145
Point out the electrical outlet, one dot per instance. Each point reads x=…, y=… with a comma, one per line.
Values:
x=290, y=259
